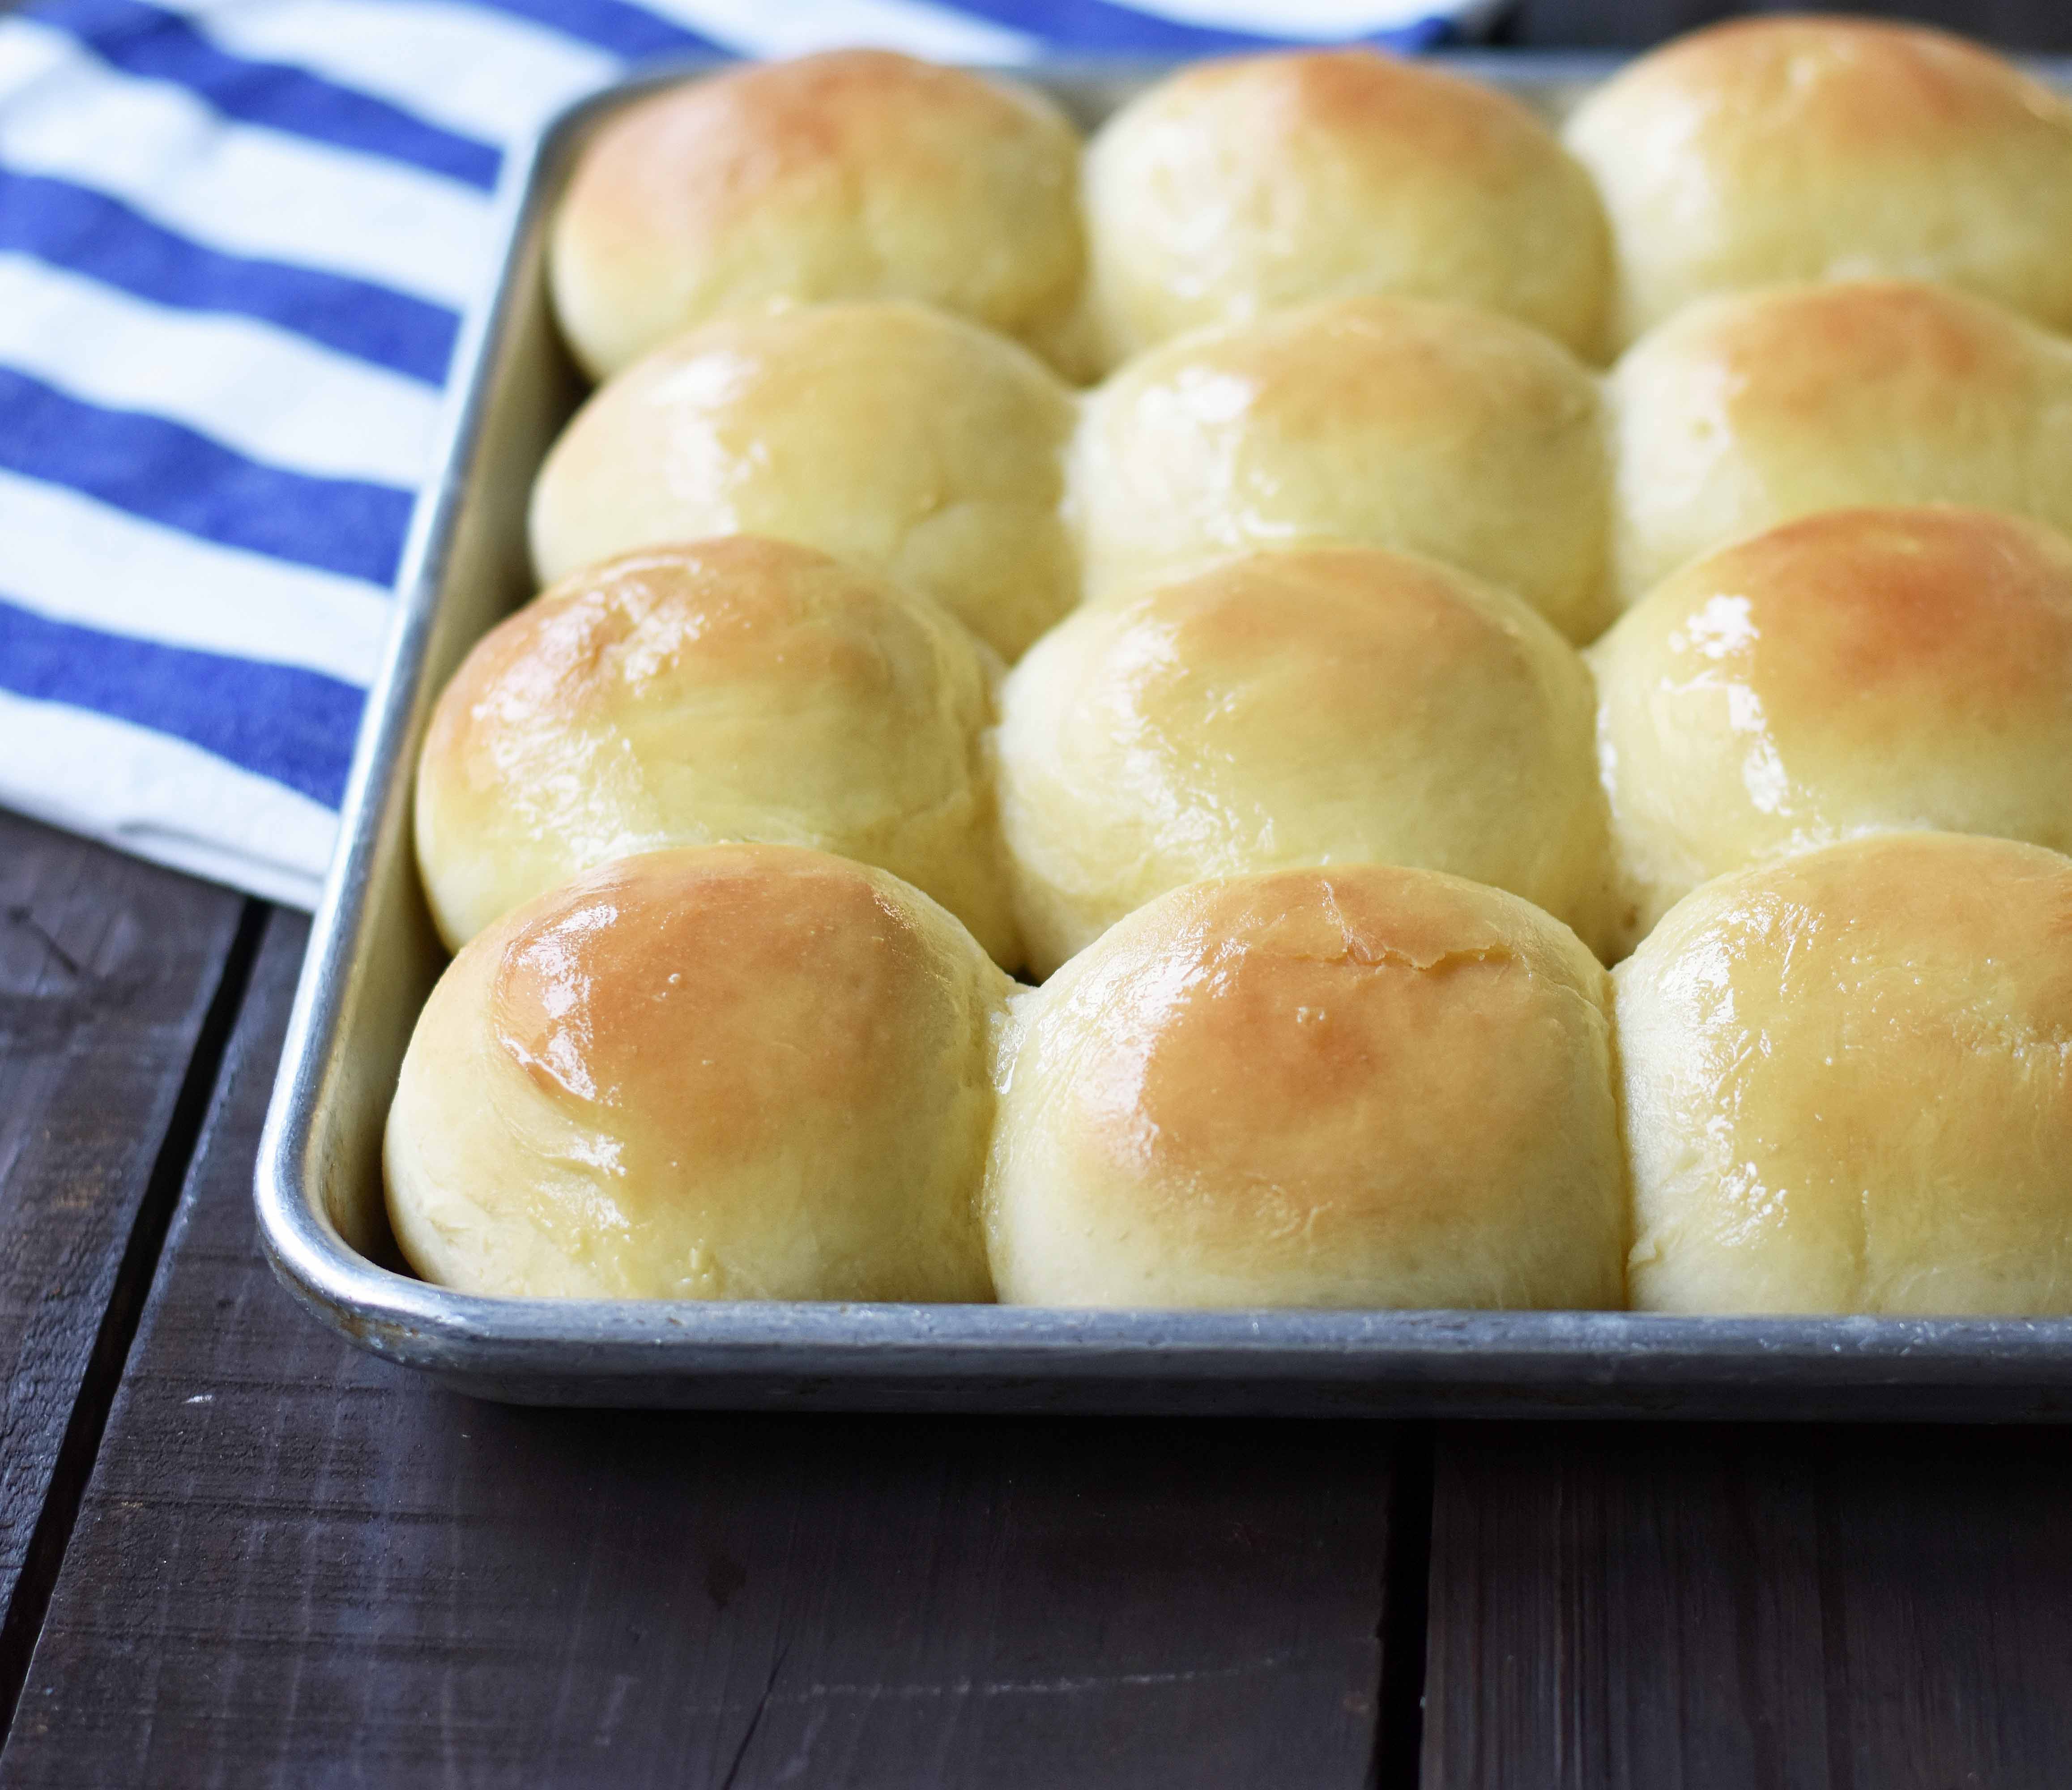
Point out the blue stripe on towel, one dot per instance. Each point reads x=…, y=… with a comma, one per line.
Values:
x=294, y=726
x=170, y=474
x=146, y=41
x=1101, y=27
x=72, y=227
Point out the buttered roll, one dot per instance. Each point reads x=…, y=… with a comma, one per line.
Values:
x=1337, y=706
x=736, y=689
x=1742, y=413
x=1853, y=671
x=855, y=173
x=1848, y=1085
x=1363, y=1086
x=1771, y=149
x=1383, y=422
x=1233, y=188
x=743, y=1072
x=910, y=443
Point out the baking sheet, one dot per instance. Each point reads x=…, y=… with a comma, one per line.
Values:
x=373, y=957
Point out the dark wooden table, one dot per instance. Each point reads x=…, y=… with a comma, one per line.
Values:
x=234, y=1552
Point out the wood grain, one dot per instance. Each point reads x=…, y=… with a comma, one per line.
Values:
x=2038, y=26
x=296, y=1566
x=108, y=971
x=1650, y=1608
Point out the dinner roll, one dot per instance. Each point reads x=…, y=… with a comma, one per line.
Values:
x=1359, y=1086
x=1233, y=188
x=738, y=688
x=1851, y=672
x=1803, y=149
x=910, y=443
x=738, y=1071
x=1384, y=422
x=1848, y=1085
x=1339, y=706
x=1742, y=413
x=857, y=173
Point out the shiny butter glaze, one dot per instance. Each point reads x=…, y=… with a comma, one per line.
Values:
x=1333, y=706
x=1854, y=671
x=1771, y=150
x=1848, y=1084
x=854, y=174
x=738, y=1071
x=1742, y=413
x=734, y=689
x=1385, y=422
x=1356, y=1086
x=905, y=441
x=1236, y=187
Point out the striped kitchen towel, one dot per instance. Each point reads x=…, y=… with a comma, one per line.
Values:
x=237, y=238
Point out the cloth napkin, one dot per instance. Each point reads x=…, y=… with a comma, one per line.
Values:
x=238, y=241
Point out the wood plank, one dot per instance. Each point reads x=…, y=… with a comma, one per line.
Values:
x=109, y=968
x=297, y=1564
x=1864, y=1609
x=2042, y=27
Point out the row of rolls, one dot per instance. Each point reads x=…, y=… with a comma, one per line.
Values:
x=1839, y=1083
x=1313, y=708
x=1751, y=153
x=910, y=442
x=1853, y=671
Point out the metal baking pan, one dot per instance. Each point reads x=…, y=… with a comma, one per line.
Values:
x=373, y=957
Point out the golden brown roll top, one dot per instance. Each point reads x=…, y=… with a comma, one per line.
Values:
x=746, y=1071
x=1773, y=149
x=857, y=173
x=1385, y=422
x=1848, y=1085
x=908, y=442
x=1361, y=1086
x=737, y=688
x=1337, y=705
x=1851, y=672
x=1742, y=413
x=1233, y=188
